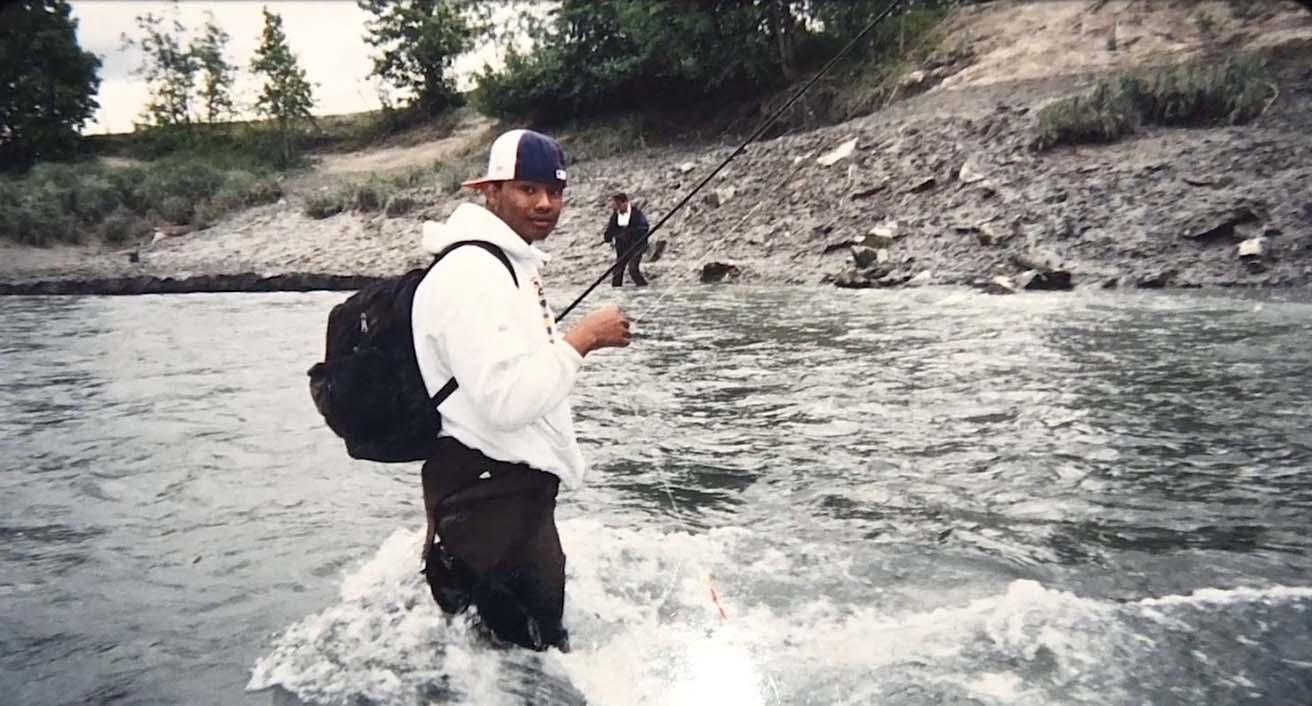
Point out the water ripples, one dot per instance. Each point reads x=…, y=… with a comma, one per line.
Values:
x=901, y=497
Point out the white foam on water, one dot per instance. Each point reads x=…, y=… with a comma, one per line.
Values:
x=960, y=644
x=1217, y=596
x=1002, y=686
x=386, y=639
x=647, y=625
x=646, y=631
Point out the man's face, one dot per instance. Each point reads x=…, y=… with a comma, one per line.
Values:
x=621, y=205
x=530, y=209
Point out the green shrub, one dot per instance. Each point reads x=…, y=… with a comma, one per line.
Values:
x=128, y=181
x=250, y=147
x=242, y=189
x=55, y=202
x=1207, y=24
x=324, y=203
x=35, y=210
x=399, y=205
x=605, y=138
x=9, y=199
x=41, y=218
x=1199, y=95
x=95, y=197
x=371, y=195
x=176, y=209
x=64, y=175
x=413, y=178
x=392, y=195
x=1196, y=94
x=1105, y=115
x=448, y=178
x=121, y=226
x=189, y=181
x=444, y=176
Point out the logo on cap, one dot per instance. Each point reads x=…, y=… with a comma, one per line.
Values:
x=524, y=155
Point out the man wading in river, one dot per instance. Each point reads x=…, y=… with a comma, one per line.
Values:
x=507, y=439
x=627, y=229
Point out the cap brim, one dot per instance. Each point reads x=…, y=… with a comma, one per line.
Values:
x=475, y=183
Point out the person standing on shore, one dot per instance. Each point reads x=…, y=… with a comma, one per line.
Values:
x=480, y=317
x=626, y=228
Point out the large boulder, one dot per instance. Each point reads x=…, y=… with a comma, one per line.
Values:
x=1155, y=279
x=881, y=236
x=865, y=256
x=1254, y=254
x=1051, y=281
x=970, y=173
x=719, y=272
x=1220, y=226
x=1042, y=270
x=1252, y=249
x=838, y=154
x=657, y=250
x=875, y=275
x=990, y=234
x=853, y=278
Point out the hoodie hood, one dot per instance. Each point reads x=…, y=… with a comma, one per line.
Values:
x=473, y=222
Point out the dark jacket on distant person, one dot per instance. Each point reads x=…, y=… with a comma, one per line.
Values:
x=624, y=237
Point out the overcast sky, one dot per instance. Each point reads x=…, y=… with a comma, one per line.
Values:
x=326, y=35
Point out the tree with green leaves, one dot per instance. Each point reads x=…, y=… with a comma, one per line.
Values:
x=49, y=83
x=417, y=42
x=168, y=66
x=591, y=58
x=287, y=96
x=216, y=72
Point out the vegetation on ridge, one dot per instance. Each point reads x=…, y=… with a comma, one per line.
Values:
x=1191, y=94
x=61, y=203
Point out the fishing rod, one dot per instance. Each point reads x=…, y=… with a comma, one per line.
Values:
x=770, y=120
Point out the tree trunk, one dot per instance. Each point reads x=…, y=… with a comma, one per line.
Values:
x=286, y=142
x=901, y=34
x=780, y=19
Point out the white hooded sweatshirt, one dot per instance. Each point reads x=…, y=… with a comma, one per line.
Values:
x=514, y=370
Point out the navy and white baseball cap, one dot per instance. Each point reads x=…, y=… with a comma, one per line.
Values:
x=525, y=155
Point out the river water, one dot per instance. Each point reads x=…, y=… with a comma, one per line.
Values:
x=796, y=497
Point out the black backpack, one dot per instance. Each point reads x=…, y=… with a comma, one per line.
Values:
x=368, y=387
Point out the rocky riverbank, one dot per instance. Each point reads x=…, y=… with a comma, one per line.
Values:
x=942, y=188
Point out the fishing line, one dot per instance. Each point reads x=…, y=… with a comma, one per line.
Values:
x=667, y=291
x=620, y=262
x=765, y=125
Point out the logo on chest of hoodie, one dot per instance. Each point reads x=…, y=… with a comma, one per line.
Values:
x=547, y=318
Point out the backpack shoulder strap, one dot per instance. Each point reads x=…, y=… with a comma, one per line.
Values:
x=450, y=387
x=497, y=252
